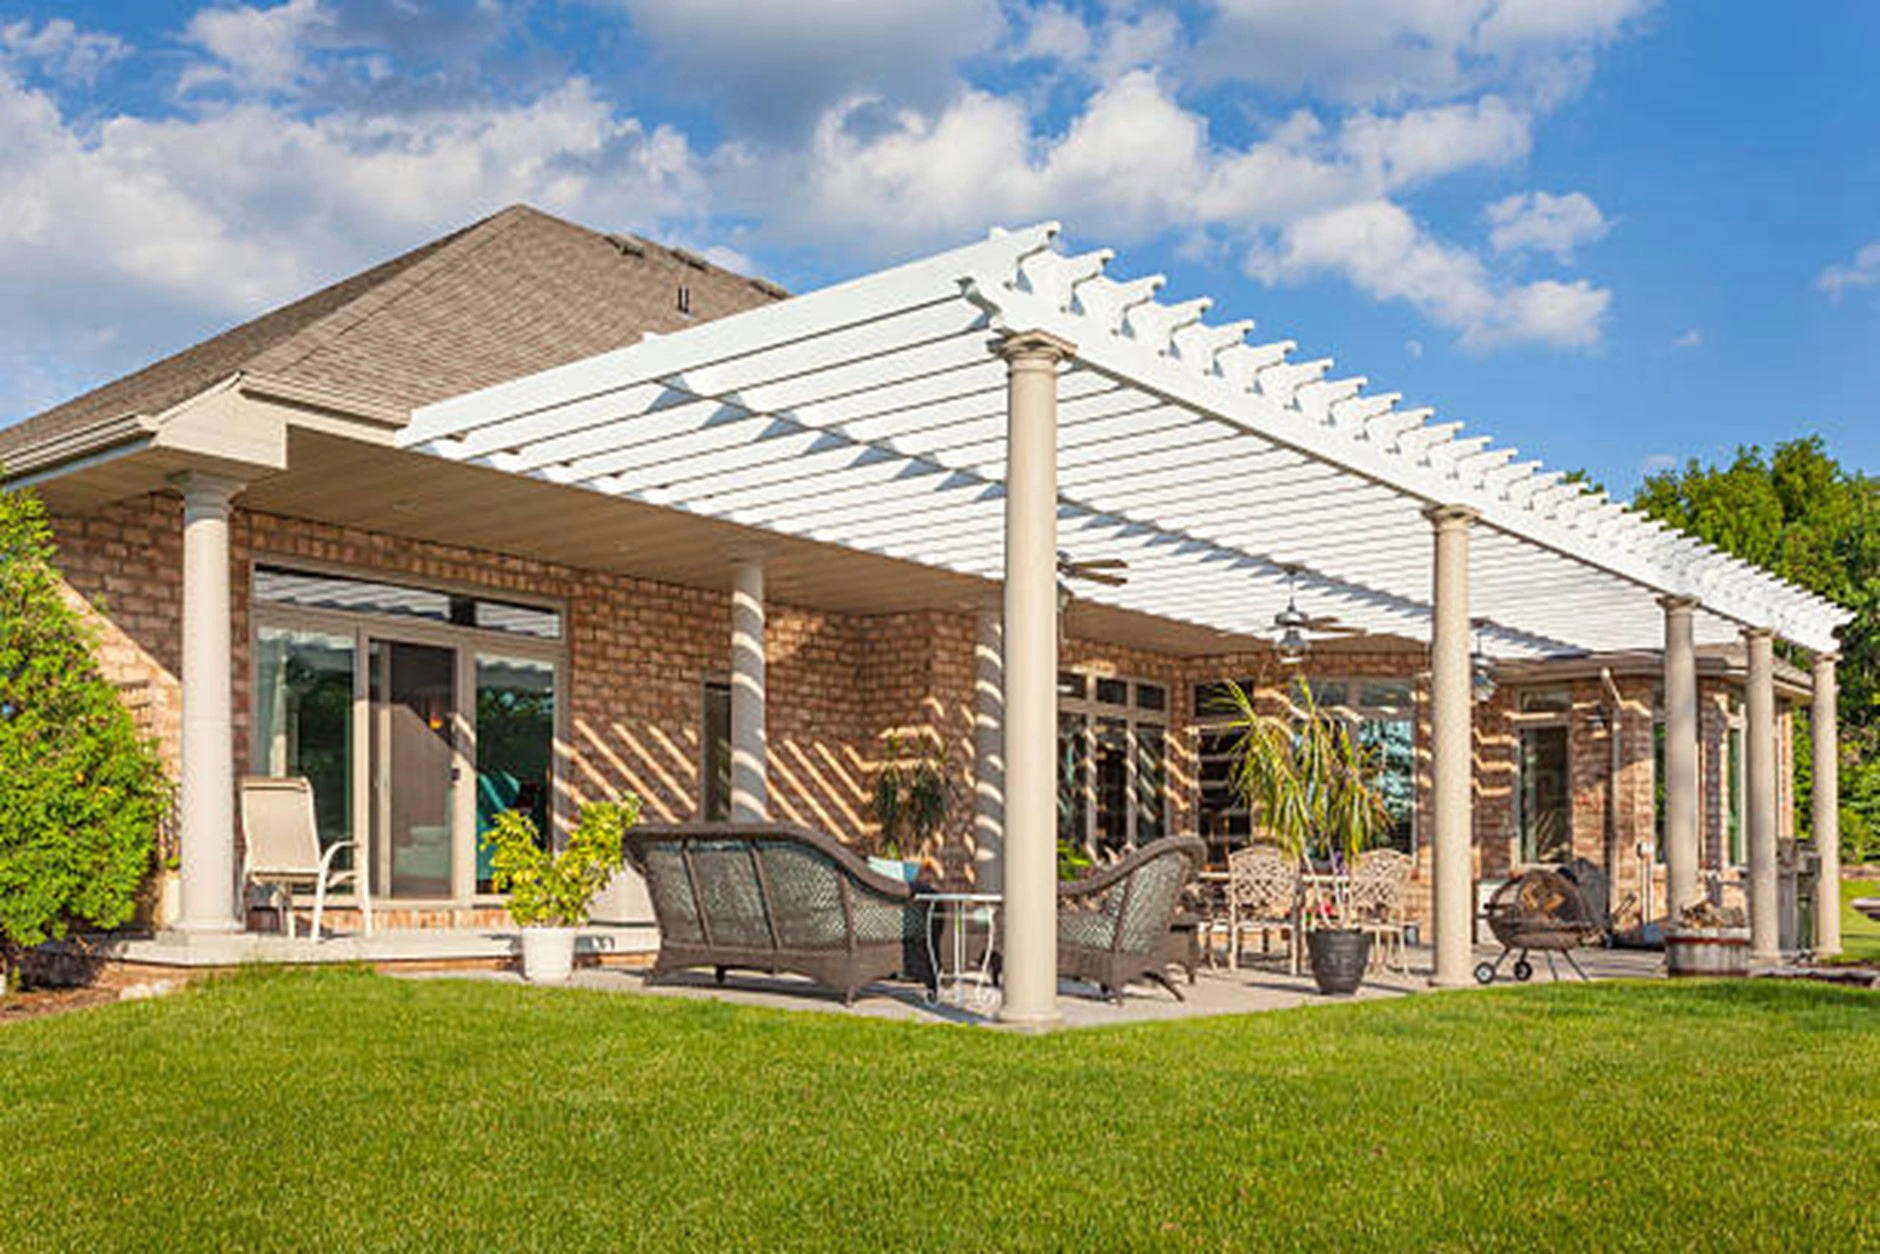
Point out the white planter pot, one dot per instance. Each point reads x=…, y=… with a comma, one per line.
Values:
x=547, y=954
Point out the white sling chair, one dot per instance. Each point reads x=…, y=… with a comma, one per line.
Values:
x=283, y=846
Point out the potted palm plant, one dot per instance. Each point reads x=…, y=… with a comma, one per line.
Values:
x=911, y=798
x=550, y=891
x=1310, y=783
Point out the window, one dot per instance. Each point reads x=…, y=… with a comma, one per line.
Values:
x=515, y=722
x=715, y=764
x=277, y=585
x=1383, y=717
x=1112, y=762
x=304, y=718
x=1545, y=805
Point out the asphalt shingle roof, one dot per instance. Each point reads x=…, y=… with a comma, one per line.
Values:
x=515, y=293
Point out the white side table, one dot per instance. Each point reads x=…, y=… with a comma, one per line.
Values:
x=956, y=912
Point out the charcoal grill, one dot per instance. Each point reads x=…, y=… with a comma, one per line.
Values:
x=1539, y=912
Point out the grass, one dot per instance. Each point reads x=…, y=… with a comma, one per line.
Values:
x=1860, y=935
x=349, y=1111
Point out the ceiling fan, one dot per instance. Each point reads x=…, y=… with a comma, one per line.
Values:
x=1104, y=570
x=1293, y=625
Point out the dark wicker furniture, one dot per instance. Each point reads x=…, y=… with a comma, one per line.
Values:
x=1114, y=927
x=776, y=897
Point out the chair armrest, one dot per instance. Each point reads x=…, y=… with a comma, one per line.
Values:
x=326, y=859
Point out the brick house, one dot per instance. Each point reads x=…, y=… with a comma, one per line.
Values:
x=453, y=586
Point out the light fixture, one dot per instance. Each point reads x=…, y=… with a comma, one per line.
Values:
x=1481, y=670
x=1292, y=645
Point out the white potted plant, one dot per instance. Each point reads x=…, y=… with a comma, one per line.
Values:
x=1310, y=781
x=550, y=891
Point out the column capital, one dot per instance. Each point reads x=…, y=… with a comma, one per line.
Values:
x=1673, y=603
x=1034, y=349
x=204, y=489
x=1759, y=633
x=1827, y=660
x=1451, y=517
x=747, y=554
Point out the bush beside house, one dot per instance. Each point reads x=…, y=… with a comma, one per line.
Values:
x=81, y=793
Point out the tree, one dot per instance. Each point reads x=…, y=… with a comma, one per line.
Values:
x=1801, y=515
x=81, y=793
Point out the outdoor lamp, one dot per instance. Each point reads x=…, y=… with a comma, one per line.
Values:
x=1292, y=647
x=1481, y=676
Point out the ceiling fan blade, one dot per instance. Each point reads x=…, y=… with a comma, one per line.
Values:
x=1102, y=563
x=1330, y=628
x=1113, y=581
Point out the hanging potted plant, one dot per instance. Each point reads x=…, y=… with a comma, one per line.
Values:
x=1311, y=784
x=550, y=891
x=911, y=798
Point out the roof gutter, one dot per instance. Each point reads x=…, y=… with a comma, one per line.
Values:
x=97, y=442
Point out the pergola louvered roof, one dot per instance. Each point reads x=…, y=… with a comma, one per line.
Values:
x=871, y=415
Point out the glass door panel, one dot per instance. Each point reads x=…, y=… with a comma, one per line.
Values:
x=304, y=719
x=1073, y=801
x=515, y=727
x=1151, y=776
x=1112, y=784
x=1546, y=805
x=414, y=706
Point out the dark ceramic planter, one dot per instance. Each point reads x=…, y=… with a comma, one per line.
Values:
x=1339, y=957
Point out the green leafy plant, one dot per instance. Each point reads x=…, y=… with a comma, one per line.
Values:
x=912, y=795
x=82, y=794
x=1304, y=776
x=553, y=889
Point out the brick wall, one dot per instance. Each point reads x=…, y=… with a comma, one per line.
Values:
x=840, y=685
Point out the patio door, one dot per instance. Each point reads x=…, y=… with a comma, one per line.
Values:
x=416, y=769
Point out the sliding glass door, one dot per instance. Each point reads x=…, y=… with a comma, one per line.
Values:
x=414, y=753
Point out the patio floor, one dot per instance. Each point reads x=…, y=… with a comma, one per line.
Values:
x=1217, y=991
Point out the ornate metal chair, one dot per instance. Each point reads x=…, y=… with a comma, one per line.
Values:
x=1262, y=894
x=1375, y=902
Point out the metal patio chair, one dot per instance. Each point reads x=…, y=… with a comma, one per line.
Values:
x=1262, y=894
x=1375, y=902
x=283, y=847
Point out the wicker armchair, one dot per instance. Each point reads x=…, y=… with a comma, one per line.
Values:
x=776, y=897
x=1375, y=902
x=1262, y=894
x=1113, y=927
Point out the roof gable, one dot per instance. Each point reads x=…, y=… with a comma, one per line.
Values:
x=515, y=293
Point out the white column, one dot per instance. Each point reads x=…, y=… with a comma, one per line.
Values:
x=207, y=803
x=1680, y=679
x=989, y=751
x=1451, y=759
x=1826, y=802
x=1030, y=873
x=750, y=746
x=1759, y=761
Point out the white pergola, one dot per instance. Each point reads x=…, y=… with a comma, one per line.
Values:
x=981, y=409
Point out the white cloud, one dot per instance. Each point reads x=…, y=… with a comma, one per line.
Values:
x=258, y=49
x=1656, y=463
x=1392, y=51
x=1545, y=223
x=1054, y=33
x=1413, y=348
x=1864, y=272
x=1384, y=252
x=776, y=66
x=59, y=49
x=1692, y=338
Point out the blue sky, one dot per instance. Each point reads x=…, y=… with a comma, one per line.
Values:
x=1610, y=232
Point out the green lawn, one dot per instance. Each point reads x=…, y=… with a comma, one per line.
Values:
x=1860, y=935
x=349, y=1111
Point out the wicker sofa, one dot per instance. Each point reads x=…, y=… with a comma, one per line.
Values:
x=1114, y=925
x=776, y=897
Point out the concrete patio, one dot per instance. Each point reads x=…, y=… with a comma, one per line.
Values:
x=1217, y=991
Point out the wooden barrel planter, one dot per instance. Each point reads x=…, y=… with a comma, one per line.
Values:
x=1707, y=952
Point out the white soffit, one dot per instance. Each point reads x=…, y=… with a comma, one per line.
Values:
x=871, y=415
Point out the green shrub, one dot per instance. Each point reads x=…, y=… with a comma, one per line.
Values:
x=81, y=793
x=553, y=889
